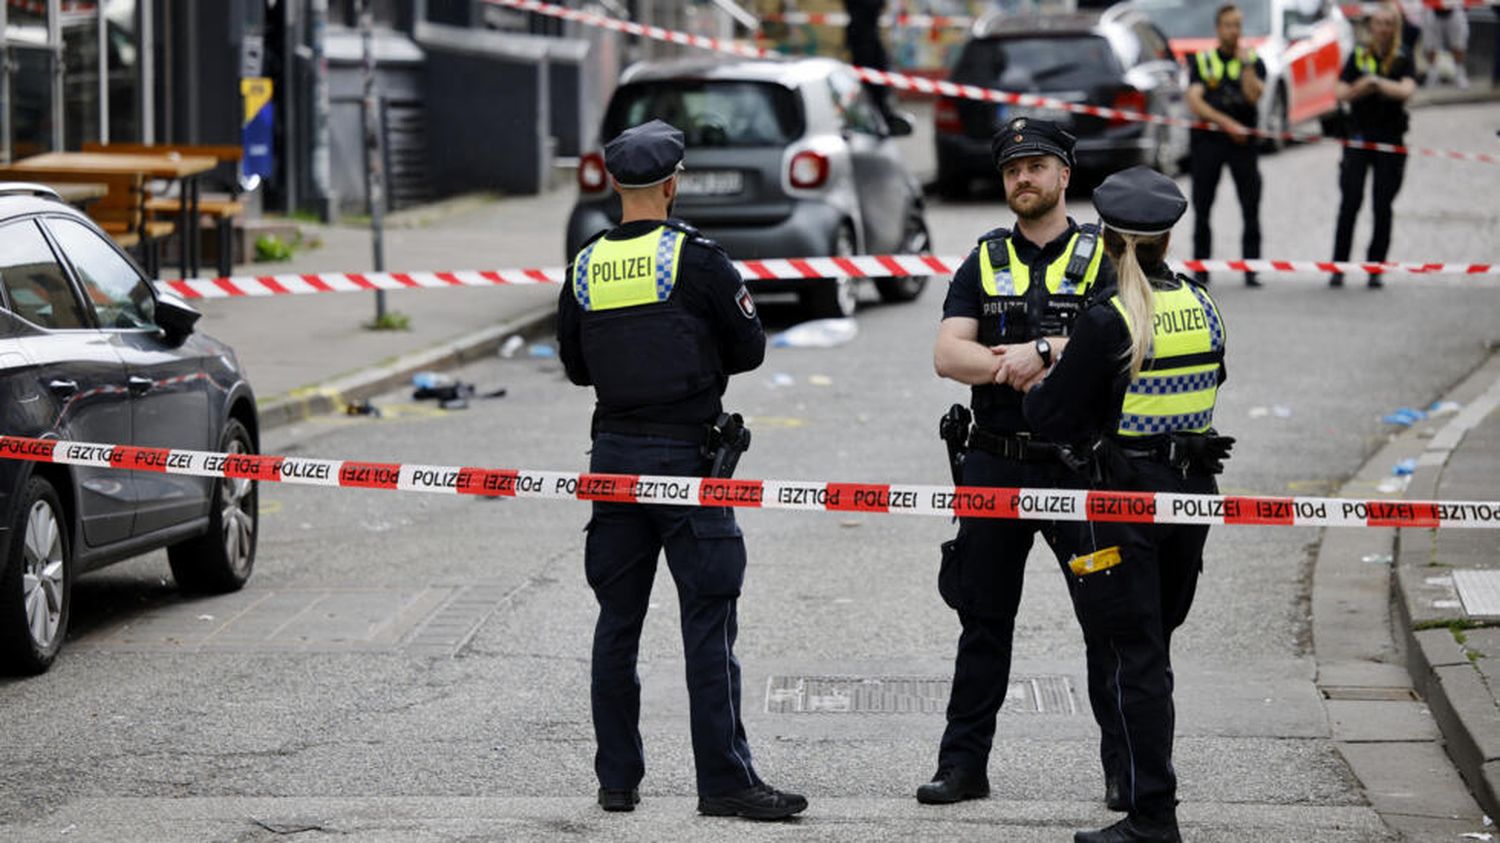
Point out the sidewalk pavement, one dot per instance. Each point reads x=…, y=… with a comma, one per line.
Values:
x=1447, y=584
x=311, y=354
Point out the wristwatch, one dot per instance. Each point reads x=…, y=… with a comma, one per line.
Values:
x=1044, y=350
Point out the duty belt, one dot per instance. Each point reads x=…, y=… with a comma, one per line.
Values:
x=696, y=434
x=1013, y=446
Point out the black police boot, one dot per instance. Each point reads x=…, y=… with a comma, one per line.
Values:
x=954, y=785
x=761, y=802
x=1114, y=794
x=1133, y=829
x=618, y=799
x=1375, y=283
x=1252, y=281
x=1336, y=279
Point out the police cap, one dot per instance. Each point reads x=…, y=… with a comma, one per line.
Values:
x=644, y=155
x=1025, y=136
x=1139, y=201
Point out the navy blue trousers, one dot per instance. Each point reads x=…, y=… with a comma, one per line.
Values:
x=706, y=556
x=981, y=577
x=1128, y=614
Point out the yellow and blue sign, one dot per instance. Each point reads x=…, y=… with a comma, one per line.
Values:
x=257, y=126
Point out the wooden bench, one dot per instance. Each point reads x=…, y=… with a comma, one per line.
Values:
x=120, y=212
x=223, y=210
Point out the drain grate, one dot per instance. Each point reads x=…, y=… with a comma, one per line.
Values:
x=1368, y=693
x=1480, y=592
x=792, y=694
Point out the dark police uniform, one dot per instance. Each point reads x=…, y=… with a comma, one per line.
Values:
x=1222, y=79
x=1019, y=291
x=655, y=318
x=1132, y=584
x=1377, y=118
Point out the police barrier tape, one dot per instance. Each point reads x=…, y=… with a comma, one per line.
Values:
x=926, y=21
x=894, y=499
x=919, y=84
x=782, y=269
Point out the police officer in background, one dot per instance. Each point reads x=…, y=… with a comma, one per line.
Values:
x=1224, y=86
x=1376, y=83
x=655, y=318
x=1008, y=313
x=1136, y=389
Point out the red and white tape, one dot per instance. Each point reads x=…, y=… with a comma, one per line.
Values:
x=942, y=88
x=786, y=269
x=884, y=498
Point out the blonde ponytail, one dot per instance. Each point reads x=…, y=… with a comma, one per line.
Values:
x=1140, y=303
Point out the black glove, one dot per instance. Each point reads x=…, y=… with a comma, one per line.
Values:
x=1211, y=452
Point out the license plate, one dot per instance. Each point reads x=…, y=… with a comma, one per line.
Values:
x=710, y=183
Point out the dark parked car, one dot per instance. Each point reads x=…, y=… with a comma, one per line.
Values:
x=1117, y=59
x=784, y=159
x=90, y=351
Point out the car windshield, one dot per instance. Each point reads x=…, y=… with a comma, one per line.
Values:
x=1195, y=18
x=709, y=113
x=1046, y=61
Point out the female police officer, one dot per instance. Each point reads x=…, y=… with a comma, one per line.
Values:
x=1136, y=387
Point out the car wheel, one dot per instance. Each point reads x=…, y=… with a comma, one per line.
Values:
x=915, y=241
x=1276, y=122
x=221, y=559
x=36, y=584
x=834, y=298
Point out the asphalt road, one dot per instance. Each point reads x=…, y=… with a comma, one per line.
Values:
x=415, y=667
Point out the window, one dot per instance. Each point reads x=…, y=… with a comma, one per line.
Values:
x=1154, y=45
x=851, y=101
x=120, y=296
x=713, y=113
x=35, y=283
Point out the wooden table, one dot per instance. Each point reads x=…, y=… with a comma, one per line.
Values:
x=184, y=169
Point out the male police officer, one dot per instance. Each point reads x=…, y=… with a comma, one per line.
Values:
x=1008, y=312
x=656, y=318
x=1224, y=87
x=1376, y=82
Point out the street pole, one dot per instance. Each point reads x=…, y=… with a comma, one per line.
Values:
x=322, y=166
x=374, y=161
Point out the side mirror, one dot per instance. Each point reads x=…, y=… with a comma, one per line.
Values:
x=175, y=316
x=900, y=125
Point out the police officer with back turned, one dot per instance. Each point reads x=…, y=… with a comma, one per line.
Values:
x=1136, y=391
x=655, y=318
x=1008, y=313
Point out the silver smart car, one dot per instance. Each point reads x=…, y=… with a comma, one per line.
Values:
x=784, y=159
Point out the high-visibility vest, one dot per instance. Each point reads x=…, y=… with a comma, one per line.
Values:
x=1179, y=380
x=1213, y=70
x=1365, y=61
x=1004, y=280
x=641, y=345
x=610, y=274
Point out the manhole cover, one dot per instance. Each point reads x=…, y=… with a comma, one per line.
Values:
x=1479, y=591
x=907, y=695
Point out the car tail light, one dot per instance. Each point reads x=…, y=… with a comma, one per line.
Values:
x=592, y=176
x=809, y=169
x=945, y=117
x=1127, y=99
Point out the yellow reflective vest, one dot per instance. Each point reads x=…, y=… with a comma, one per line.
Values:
x=1179, y=380
x=1213, y=70
x=1004, y=280
x=610, y=274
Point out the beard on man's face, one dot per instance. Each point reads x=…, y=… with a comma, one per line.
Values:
x=1035, y=204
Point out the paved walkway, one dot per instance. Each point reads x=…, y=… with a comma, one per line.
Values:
x=1448, y=583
